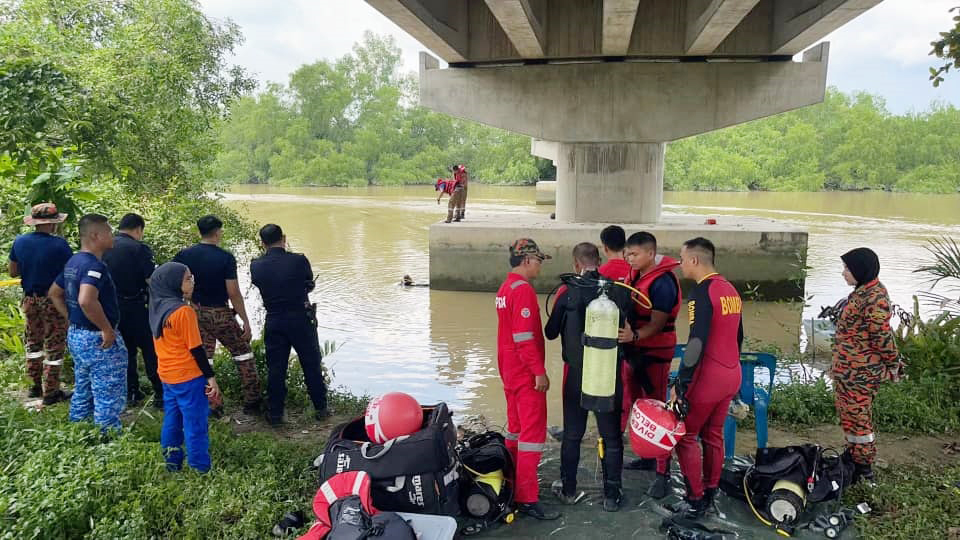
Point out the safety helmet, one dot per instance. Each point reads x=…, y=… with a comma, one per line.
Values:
x=392, y=415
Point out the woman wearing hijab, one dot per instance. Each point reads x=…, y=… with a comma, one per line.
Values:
x=182, y=366
x=864, y=354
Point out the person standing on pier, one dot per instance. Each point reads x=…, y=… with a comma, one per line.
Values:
x=520, y=360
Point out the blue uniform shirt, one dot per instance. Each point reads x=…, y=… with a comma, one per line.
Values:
x=41, y=258
x=86, y=269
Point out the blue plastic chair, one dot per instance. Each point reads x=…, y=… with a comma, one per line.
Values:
x=750, y=393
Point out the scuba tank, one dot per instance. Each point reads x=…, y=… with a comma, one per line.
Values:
x=786, y=502
x=600, y=355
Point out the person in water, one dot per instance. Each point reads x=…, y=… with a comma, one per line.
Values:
x=864, y=355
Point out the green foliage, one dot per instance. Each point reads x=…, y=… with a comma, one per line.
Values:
x=11, y=339
x=849, y=142
x=63, y=480
x=947, y=48
x=931, y=347
x=909, y=502
x=134, y=86
x=350, y=122
x=916, y=405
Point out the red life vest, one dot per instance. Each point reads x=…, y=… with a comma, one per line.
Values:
x=460, y=175
x=445, y=185
x=661, y=344
x=337, y=487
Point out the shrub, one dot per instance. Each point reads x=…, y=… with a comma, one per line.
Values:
x=921, y=405
x=63, y=480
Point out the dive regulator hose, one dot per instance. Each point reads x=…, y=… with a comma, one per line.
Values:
x=576, y=280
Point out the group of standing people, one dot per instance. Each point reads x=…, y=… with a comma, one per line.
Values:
x=456, y=188
x=708, y=378
x=709, y=374
x=108, y=301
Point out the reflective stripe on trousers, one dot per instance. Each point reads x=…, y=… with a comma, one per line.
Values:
x=861, y=439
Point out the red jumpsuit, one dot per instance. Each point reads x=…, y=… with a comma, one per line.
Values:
x=655, y=353
x=520, y=358
x=709, y=377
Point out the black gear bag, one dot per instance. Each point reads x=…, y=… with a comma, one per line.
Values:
x=418, y=473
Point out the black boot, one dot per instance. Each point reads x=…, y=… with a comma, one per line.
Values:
x=537, y=510
x=710, y=496
x=660, y=486
x=690, y=508
x=642, y=464
x=56, y=397
x=612, y=501
x=35, y=391
x=864, y=473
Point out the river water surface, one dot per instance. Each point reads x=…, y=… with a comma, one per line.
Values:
x=441, y=345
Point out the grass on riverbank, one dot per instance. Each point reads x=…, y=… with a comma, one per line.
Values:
x=64, y=480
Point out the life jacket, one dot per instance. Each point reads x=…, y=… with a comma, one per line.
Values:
x=345, y=510
x=460, y=175
x=445, y=185
x=661, y=344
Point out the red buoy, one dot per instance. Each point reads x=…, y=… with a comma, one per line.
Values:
x=654, y=429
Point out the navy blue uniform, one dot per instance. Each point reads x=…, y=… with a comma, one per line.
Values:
x=40, y=258
x=211, y=266
x=86, y=269
x=100, y=374
x=284, y=279
x=131, y=264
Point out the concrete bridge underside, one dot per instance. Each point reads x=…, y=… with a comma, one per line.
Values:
x=601, y=86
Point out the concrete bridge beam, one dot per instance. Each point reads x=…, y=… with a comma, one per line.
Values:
x=709, y=22
x=521, y=24
x=624, y=101
x=619, y=17
x=800, y=23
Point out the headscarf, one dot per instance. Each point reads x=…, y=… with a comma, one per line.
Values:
x=166, y=294
x=863, y=264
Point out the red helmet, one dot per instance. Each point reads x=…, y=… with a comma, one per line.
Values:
x=654, y=429
x=392, y=415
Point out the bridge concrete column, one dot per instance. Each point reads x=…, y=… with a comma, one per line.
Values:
x=609, y=182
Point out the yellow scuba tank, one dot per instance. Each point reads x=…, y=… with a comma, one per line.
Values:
x=602, y=321
x=786, y=502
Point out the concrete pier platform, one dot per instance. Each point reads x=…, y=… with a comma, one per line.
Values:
x=763, y=258
x=547, y=192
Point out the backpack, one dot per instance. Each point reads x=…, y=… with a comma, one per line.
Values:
x=345, y=512
x=487, y=493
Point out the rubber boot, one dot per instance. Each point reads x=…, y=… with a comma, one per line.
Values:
x=456, y=215
x=660, y=486
x=864, y=473
x=612, y=465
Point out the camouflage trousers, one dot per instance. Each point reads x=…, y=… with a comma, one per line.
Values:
x=855, y=390
x=456, y=204
x=46, y=342
x=220, y=324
